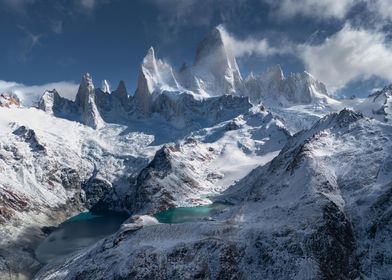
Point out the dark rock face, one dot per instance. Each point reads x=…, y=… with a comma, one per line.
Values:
x=70, y=178
x=146, y=186
x=333, y=245
x=95, y=190
x=347, y=116
x=232, y=126
x=28, y=135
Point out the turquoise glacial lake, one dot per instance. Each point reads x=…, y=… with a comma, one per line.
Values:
x=190, y=214
x=87, y=228
x=77, y=233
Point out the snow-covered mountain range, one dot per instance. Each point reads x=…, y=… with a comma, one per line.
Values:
x=309, y=176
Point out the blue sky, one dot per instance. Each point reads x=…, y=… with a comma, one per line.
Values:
x=345, y=43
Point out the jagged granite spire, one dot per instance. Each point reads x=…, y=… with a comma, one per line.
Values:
x=155, y=76
x=121, y=94
x=144, y=89
x=49, y=101
x=216, y=66
x=85, y=101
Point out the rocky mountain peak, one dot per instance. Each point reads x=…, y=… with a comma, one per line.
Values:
x=386, y=92
x=149, y=68
x=155, y=76
x=346, y=116
x=105, y=87
x=121, y=88
x=342, y=119
x=9, y=100
x=49, y=100
x=213, y=42
x=215, y=67
x=85, y=101
x=86, y=89
x=122, y=94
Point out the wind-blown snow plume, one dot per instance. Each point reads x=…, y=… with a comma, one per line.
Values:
x=250, y=46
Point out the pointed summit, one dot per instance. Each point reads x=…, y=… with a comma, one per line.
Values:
x=85, y=101
x=215, y=65
x=150, y=53
x=146, y=83
x=105, y=87
x=121, y=88
x=121, y=94
x=155, y=76
x=49, y=100
x=86, y=88
x=150, y=68
x=209, y=44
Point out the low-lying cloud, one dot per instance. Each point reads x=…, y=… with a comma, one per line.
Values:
x=348, y=55
x=29, y=95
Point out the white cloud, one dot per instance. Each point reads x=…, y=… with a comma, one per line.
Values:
x=382, y=7
x=312, y=8
x=29, y=95
x=250, y=46
x=350, y=54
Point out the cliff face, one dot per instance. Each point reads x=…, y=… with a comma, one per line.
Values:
x=85, y=102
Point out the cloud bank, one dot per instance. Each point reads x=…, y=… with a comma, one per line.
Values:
x=348, y=55
x=29, y=95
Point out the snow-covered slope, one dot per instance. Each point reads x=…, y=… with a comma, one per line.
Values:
x=57, y=166
x=319, y=210
x=273, y=89
x=378, y=105
x=52, y=168
x=207, y=162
